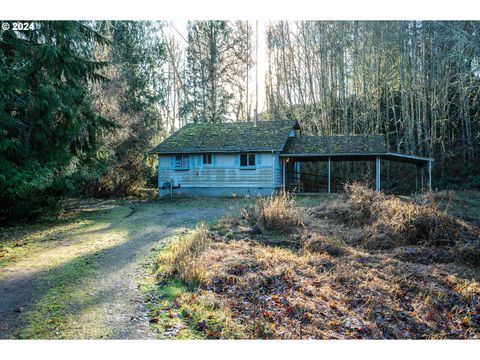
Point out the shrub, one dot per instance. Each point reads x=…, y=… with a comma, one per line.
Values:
x=361, y=201
x=275, y=213
x=472, y=183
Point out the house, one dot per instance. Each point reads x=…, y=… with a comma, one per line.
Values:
x=238, y=159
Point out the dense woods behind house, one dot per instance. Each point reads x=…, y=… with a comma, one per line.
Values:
x=84, y=102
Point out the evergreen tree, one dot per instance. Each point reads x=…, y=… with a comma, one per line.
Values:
x=134, y=97
x=49, y=129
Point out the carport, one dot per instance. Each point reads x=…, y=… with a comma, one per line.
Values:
x=331, y=149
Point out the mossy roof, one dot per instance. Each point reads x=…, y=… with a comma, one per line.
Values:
x=336, y=144
x=228, y=137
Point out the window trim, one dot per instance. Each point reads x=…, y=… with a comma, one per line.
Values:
x=248, y=166
x=184, y=158
x=207, y=163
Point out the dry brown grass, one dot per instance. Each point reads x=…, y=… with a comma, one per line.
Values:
x=275, y=213
x=391, y=222
x=317, y=243
x=182, y=258
x=469, y=254
x=335, y=284
x=280, y=293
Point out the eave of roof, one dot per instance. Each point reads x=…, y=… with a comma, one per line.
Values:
x=408, y=158
x=384, y=155
x=215, y=152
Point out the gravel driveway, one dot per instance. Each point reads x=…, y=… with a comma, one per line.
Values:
x=105, y=303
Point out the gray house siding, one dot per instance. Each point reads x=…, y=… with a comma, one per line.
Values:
x=223, y=177
x=278, y=177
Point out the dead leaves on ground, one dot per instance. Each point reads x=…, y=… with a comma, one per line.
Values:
x=331, y=287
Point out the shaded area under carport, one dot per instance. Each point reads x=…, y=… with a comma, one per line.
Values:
x=422, y=164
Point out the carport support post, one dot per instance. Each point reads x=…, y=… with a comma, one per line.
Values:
x=421, y=179
x=377, y=173
x=329, y=174
x=299, y=176
x=416, y=177
x=284, y=163
x=429, y=176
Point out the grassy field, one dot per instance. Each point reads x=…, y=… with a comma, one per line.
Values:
x=359, y=265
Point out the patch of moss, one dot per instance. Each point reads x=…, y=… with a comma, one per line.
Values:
x=23, y=241
x=238, y=136
x=63, y=287
x=337, y=144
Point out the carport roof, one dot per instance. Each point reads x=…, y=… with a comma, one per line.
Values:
x=345, y=148
x=335, y=144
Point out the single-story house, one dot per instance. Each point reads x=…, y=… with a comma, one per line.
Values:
x=243, y=158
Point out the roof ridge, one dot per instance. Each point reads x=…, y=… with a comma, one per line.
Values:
x=239, y=122
x=341, y=135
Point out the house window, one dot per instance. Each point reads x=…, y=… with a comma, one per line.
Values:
x=247, y=160
x=182, y=161
x=207, y=159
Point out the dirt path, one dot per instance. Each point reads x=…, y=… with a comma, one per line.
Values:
x=93, y=269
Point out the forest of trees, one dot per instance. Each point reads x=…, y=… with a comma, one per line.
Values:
x=416, y=82
x=83, y=102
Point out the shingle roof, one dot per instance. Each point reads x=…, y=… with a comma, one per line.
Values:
x=337, y=144
x=228, y=137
